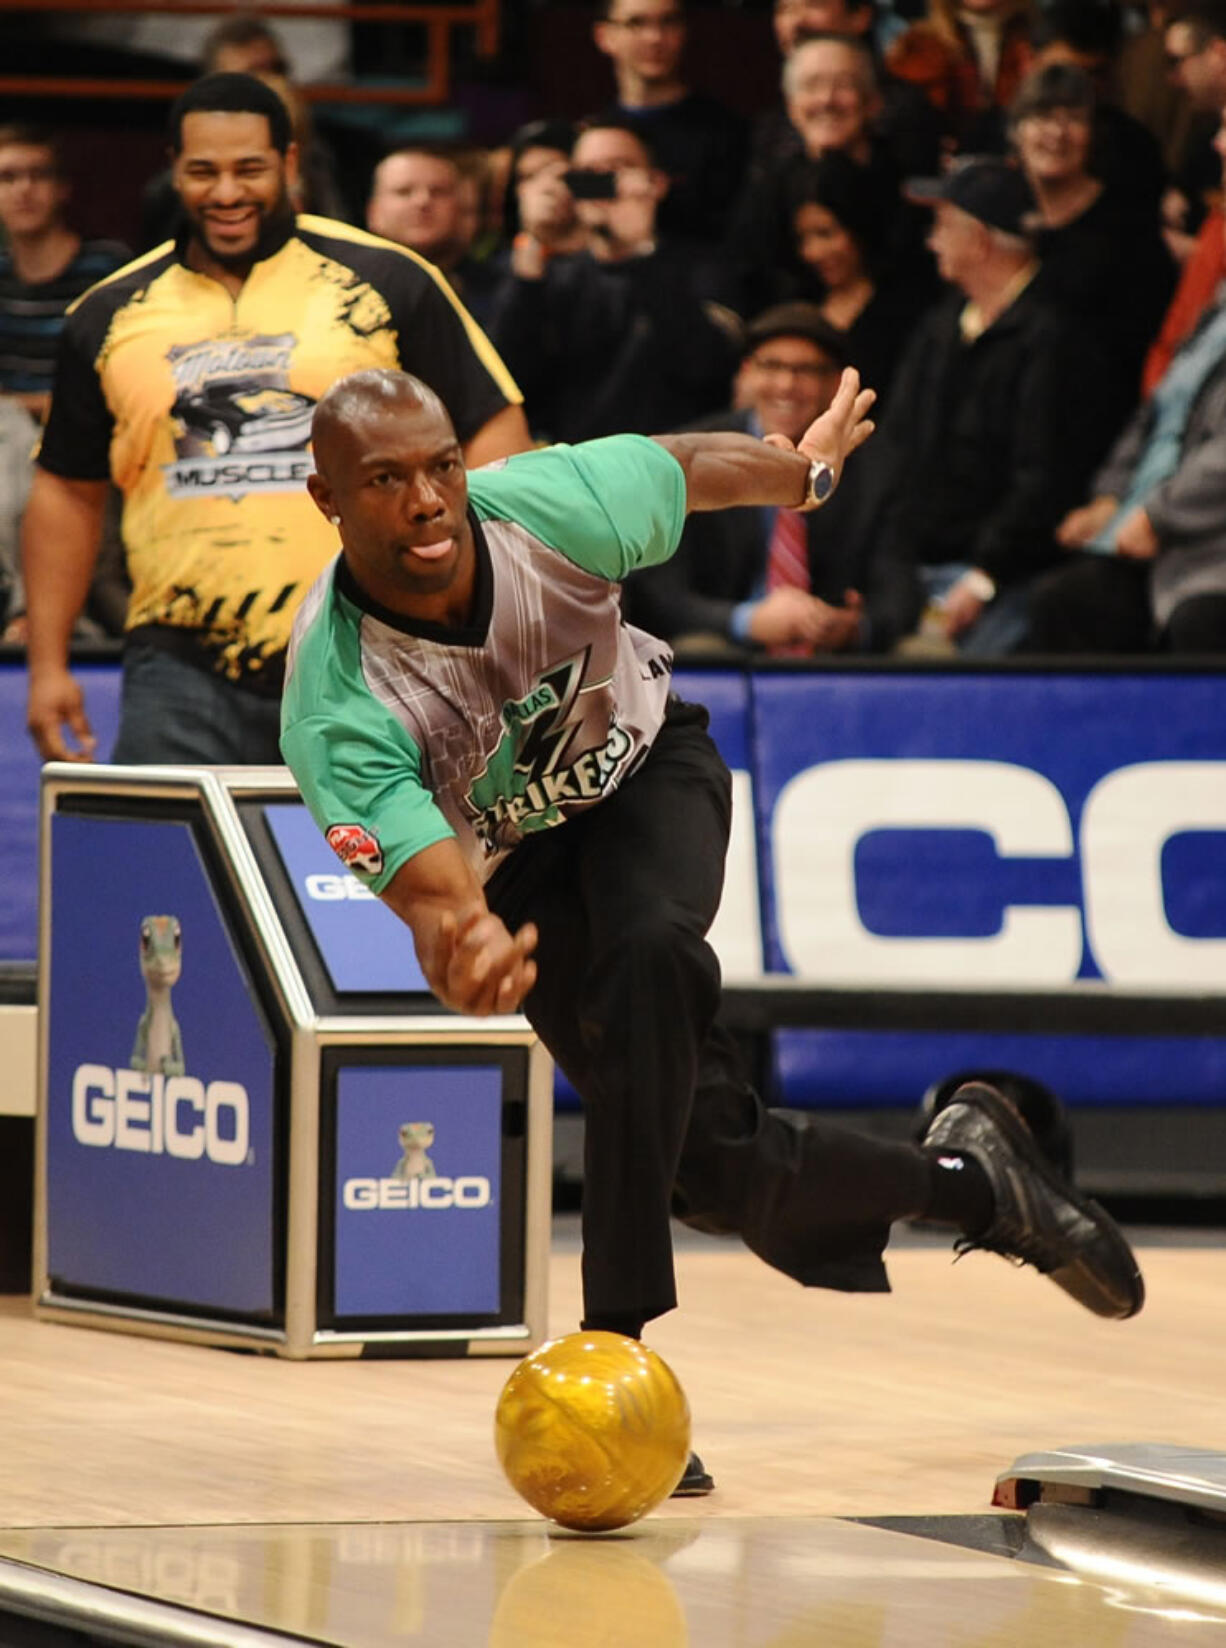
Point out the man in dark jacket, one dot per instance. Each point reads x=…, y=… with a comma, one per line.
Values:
x=698, y=142
x=987, y=441
x=614, y=338
x=775, y=579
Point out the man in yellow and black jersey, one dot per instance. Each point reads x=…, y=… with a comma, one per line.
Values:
x=189, y=377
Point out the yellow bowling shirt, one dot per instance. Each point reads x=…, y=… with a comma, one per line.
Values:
x=198, y=404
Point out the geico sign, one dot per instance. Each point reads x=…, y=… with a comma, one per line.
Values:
x=1128, y=817
x=161, y=1115
x=361, y=1195
x=331, y=889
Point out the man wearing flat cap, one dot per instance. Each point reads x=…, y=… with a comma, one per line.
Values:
x=986, y=441
x=776, y=580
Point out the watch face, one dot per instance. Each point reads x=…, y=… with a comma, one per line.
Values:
x=821, y=482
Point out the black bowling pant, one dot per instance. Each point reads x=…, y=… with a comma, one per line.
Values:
x=626, y=1001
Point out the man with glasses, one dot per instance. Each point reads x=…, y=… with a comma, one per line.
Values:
x=1196, y=62
x=777, y=580
x=697, y=142
x=1196, y=53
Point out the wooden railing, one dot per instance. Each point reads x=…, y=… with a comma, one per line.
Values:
x=439, y=23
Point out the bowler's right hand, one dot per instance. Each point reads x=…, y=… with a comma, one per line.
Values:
x=55, y=701
x=480, y=967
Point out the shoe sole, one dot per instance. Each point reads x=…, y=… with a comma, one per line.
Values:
x=694, y=1490
x=1073, y=1279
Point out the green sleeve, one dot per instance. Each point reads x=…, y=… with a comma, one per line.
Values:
x=365, y=771
x=609, y=505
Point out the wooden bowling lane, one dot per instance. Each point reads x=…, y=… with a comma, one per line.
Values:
x=360, y=1503
x=804, y=1403
x=683, y=1583
x=724, y=1583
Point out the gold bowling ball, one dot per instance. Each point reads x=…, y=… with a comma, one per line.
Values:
x=593, y=1430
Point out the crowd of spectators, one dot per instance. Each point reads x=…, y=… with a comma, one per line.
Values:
x=1005, y=214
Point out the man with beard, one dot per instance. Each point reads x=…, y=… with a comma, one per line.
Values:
x=189, y=378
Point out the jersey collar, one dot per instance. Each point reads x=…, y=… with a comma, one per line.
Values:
x=473, y=634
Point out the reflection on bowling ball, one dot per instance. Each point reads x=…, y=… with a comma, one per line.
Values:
x=589, y=1594
x=593, y=1430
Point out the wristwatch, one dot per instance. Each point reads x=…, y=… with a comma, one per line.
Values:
x=820, y=484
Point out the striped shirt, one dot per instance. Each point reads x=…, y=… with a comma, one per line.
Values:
x=32, y=313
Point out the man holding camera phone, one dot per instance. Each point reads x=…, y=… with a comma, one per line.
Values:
x=614, y=337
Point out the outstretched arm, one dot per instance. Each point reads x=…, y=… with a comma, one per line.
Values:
x=723, y=468
x=60, y=537
x=470, y=960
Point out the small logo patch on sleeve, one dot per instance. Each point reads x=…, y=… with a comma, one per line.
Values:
x=357, y=848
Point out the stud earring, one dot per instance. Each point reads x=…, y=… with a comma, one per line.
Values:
x=335, y=519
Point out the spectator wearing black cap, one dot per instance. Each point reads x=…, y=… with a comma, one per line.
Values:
x=982, y=447
x=775, y=579
x=1104, y=261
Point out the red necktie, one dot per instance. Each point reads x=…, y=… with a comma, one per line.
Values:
x=787, y=559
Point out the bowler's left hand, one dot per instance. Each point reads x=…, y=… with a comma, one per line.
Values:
x=842, y=427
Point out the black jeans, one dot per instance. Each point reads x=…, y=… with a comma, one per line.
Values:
x=174, y=712
x=626, y=1001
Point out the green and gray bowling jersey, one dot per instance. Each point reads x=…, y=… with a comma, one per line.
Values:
x=402, y=734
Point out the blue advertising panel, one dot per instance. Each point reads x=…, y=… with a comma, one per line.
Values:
x=364, y=946
x=994, y=831
x=839, y=1068
x=160, y=1154
x=20, y=765
x=418, y=1190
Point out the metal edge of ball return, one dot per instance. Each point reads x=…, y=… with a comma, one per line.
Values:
x=219, y=792
x=1128, y=1512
